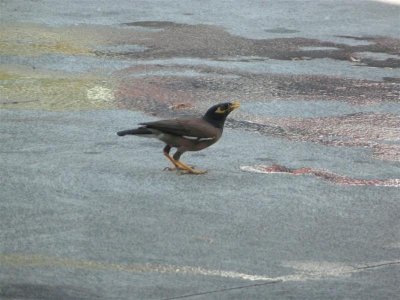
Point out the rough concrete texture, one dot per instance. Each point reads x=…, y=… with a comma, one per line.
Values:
x=86, y=214
x=89, y=213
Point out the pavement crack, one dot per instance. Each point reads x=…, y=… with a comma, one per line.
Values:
x=223, y=290
x=391, y=263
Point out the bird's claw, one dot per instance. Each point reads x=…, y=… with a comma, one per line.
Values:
x=191, y=172
x=182, y=167
x=180, y=171
x=188, y=169
x=169, y=169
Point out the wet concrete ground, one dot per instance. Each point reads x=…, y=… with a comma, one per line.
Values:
x=88, y=215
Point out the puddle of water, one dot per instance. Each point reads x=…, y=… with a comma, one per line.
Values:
x=348, y=41
x=65, y=63
x=120, y=49
x=325, y=66
x=318, y=48
x=376, y=55
x=177, y=73
x=281, y=30
x=243, y=58
x=153, y=24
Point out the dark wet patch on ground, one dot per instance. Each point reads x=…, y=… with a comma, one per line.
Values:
x=281, y=30
x=206, y=41
x=234, y=84
x=153, y=24
x=391, y=79
x=378, y=132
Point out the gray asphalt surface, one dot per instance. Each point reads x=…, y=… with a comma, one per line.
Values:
x=87, y=214
x=258, y=19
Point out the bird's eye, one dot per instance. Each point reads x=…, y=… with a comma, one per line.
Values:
x=221, y=109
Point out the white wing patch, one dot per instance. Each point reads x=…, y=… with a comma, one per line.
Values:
x=206, y=139
x=194, y=138
x=190, y=137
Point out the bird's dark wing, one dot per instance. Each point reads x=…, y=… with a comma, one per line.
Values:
x=185, y=127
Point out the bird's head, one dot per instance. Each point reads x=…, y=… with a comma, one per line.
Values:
x=217, y=114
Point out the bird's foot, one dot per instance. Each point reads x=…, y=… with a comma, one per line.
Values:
x=192, y=171
x=182, y=167
x=177, y=168
x=185, y=169
x=170, y=169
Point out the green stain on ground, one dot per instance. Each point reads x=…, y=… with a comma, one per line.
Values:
x=32, y=39
x=15, y=48
x=27, y=91
x=24, y=87
x=7, y=76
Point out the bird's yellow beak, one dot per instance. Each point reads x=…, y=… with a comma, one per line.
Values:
x=235, y=105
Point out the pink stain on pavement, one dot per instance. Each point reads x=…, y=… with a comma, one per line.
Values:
x=332, y=177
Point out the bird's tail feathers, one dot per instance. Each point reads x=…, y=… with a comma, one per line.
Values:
x=140, y=130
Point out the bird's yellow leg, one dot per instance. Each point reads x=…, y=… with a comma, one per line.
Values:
x=172, y=161
x=166, y=153
x=183, y=167
x=187, y=169
x=178, y=164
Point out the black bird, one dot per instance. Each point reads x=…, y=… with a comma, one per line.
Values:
x=187, y=134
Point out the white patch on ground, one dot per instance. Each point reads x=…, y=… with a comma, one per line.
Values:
x=261, y=169
x=100, y=94
x=225, y=274
x=318, y=48
x=390, y=183
x=334, y=178
x=376, y=55
x=309, y=270
x=312, y=270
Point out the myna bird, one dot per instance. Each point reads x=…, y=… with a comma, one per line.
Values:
x=187, y=134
